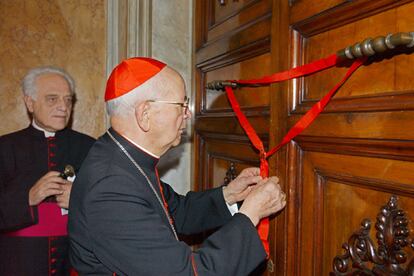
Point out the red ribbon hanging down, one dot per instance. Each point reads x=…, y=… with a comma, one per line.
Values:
x=302, y=124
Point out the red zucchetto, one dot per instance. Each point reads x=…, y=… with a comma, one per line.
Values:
x=130, y=74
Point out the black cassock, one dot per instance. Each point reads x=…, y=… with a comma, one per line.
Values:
x=117, y=224
x=25, y=156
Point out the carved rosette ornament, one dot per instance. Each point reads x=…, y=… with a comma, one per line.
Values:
x=362, y=258
x=231, y=174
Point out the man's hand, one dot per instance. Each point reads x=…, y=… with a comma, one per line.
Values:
x=265, y=199
x=48, y=185
x=63, y=199
x=239, y=188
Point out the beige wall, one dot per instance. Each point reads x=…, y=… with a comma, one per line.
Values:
x=65, y=33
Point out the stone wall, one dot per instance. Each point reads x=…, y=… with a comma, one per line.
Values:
x=65, y=33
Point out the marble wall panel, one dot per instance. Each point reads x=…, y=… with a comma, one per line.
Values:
x=172, y=23
x=66, y=33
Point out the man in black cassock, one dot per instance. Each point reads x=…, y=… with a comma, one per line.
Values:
x=34, y=197
x=123, y=220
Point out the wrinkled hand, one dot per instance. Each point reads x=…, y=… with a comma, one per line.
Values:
x=265, y=199
x=239, y=188
x=63, y=199
x=48, y=185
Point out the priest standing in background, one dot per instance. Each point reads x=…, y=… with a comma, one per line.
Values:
x=124, y=220
x=34, y=196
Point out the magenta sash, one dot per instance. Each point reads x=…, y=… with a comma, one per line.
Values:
x=51, y=222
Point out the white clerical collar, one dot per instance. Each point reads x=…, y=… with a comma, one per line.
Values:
x=141, y=148
x=47, y=133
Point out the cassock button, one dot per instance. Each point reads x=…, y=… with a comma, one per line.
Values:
x=53, y=249
x=53, y=260
x=53, y=271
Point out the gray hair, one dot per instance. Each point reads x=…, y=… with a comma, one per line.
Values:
x=29, y=81
x=124, y=105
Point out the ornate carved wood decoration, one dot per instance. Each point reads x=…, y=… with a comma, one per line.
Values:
x=230, y=174
x=362, y=258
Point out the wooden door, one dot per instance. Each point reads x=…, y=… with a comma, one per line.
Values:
x=233, y=42
x=351, y=159
x=360, y=151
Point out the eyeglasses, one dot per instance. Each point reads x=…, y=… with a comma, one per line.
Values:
x=184, y=105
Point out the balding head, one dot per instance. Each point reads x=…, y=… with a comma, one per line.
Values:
x=154, y=114
x=156, y=88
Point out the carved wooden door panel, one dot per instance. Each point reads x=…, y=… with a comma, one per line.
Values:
x=351, y=159
x=361, y=149
x=232, y=42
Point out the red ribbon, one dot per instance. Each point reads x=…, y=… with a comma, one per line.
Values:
x=302, y=124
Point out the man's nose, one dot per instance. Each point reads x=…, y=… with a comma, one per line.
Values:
x=62, y=104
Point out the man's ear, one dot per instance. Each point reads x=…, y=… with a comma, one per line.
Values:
x=29, y=103
x=142, y=116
